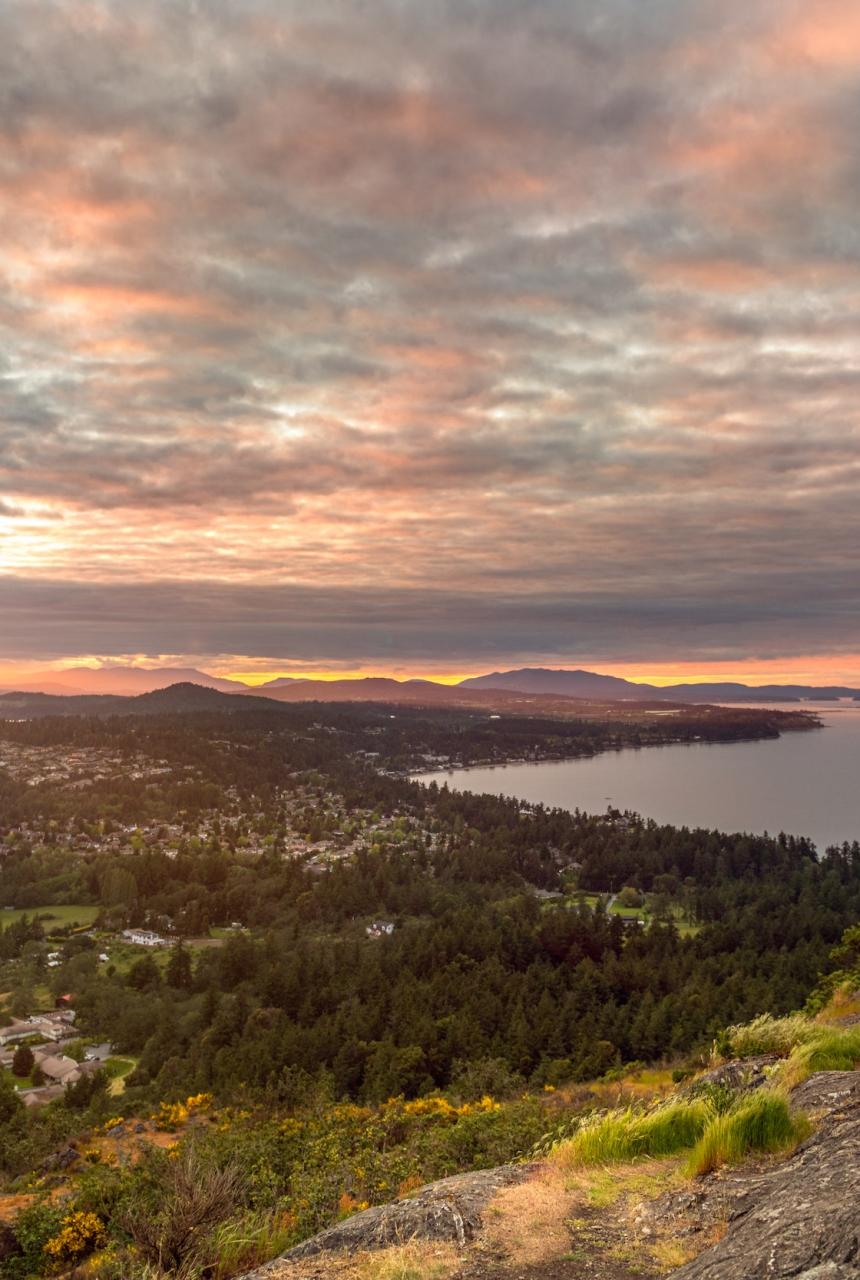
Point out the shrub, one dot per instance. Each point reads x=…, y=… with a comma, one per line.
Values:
x=34, y=1226
x=192, y=1196
x=80, y=1233
x=762, y=1122
x=629, y=1134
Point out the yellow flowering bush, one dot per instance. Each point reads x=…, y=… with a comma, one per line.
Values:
x=80, y=1233
x=171, y=1115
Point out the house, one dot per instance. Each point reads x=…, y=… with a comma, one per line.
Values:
x=40, y=1097
x=46, y=1026
x=143, y=938
x=15, y=1031
x=379, y=929
x=59, y=1069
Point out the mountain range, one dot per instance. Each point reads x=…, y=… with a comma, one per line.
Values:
x=589, y=684
x=539, y=682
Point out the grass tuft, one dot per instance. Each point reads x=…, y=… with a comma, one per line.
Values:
x=761, y=1123
x=829, y=1049
x=247, y=1242
x=630, y=1134
x=768, y=1035
x=414, y=1261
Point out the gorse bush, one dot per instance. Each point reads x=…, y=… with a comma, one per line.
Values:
x=238, y=1187
x=629, y=1134
x=760, y=1123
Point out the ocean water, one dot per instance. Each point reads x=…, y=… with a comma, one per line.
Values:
x=806, y=784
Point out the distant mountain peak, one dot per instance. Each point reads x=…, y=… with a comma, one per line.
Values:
x=122, y=680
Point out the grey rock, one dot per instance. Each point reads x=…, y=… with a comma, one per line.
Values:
x=801, y=1218
x=62, y=1159
x=829, y=1271
x=741, y=1074
x=447, y=1210
x=826, y=1091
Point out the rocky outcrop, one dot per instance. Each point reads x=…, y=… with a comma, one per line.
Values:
x=776, y=1219
x=741, y=1075
x=800, y=1219
x=447, y=1210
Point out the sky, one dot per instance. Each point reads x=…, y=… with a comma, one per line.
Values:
x=431, y=336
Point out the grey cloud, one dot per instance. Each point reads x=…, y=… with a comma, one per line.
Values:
x=342, y=624
x=475, y=280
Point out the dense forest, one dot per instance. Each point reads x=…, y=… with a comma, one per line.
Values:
x=501, y=949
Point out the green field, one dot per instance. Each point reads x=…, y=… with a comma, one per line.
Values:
x=117, y=1069
x=634, y=913
x=67, y=913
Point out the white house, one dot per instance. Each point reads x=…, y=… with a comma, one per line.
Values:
x=143, y=937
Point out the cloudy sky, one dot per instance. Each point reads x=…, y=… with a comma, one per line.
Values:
x=427, y=336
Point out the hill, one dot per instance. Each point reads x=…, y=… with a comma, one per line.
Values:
x=123, y=681
x=633, y=723
x=589, y=684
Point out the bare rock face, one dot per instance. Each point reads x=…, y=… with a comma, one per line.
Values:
x=802, y=1218
x=447, y=1210
x=827, y=1091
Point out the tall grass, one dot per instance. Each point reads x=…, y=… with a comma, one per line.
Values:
x=247, y=1242
x=762, y=1123
x=768, y=1035
x=809, y=1046
x=629, y=1134
x=829, y=1049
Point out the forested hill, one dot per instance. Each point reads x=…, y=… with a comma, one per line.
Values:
x=648, y=720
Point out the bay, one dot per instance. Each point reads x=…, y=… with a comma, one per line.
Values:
x=806, y=784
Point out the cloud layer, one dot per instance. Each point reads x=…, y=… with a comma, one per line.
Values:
x=427, y=331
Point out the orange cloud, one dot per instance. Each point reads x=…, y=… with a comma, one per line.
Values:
x=824, y=34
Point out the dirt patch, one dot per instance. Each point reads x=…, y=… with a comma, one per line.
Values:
x=11, y=1205
x=527, y=1223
